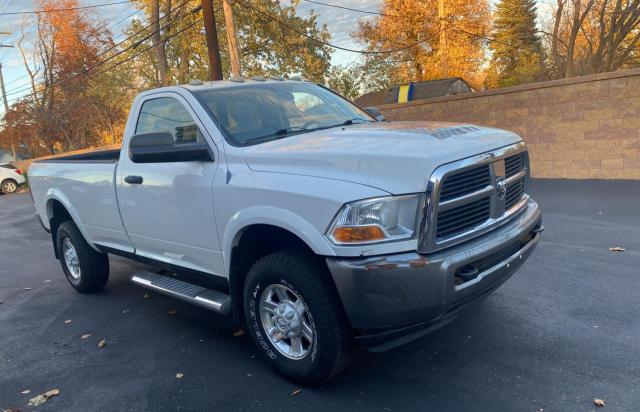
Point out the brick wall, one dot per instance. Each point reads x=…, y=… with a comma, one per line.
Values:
x=580, y=128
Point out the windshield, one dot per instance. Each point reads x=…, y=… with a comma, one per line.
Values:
x=255, y=113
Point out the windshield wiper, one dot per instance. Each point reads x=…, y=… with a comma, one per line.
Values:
x=346, y=123
x=278, y=134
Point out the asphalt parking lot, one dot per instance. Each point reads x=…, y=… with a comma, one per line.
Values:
x=563, y=331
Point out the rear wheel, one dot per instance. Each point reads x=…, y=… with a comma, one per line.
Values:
x=295, y=318
x=9, y=186
x=86, y=269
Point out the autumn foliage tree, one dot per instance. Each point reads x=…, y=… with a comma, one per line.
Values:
x=404, y=41
x=64, y=111
x=268, y=37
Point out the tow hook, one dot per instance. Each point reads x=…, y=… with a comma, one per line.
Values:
x=539, y=228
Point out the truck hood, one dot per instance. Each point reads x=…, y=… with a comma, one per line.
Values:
x=397, y=157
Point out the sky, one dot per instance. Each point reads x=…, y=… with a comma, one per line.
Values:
x=340, y=23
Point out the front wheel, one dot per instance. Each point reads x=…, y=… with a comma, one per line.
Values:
x=9, y=186
x=295, y=318
x=86, y=269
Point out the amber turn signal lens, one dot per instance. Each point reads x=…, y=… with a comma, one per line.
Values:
x=358, y=234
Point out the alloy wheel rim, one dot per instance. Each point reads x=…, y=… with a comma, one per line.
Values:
x=71, y=258
x=10, y=187
x=287, y=321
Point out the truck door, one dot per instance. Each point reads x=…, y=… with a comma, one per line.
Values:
x=167, y=208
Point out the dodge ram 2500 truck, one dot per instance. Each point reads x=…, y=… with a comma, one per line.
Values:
x=297, y=213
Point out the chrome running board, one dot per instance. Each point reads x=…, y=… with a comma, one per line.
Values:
x=188, y=292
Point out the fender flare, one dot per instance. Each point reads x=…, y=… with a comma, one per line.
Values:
x=267, y=215
x=56, y=194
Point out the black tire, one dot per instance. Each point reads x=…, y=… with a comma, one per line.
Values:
x=94, y=266
x=9, y=186
x=333, y=344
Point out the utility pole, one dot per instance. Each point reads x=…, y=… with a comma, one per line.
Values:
x=211, y=34
x=232, y=38
x=4, y=93
x=4, y=98
x=442, y=46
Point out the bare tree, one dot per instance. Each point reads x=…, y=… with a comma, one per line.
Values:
x=594, y=36
x=32, y=73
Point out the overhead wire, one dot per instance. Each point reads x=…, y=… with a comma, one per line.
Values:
x=13, y=13
x=353, y=9
x=133, y=45
x=326, y=43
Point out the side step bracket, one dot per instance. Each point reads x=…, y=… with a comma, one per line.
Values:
x=188, y=292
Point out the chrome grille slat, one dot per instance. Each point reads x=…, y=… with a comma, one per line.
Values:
x=514, y=194
x=514, y=164
x=460, y=212
x=465, y=182
x=467, y=219
x=472, y=196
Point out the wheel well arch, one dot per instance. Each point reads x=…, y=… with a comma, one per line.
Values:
x=57, y=214
x=252, y=243
x=7, y=179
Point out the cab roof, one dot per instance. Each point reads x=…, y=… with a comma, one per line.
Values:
x=195, y=85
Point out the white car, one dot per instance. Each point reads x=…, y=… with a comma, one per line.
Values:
x=11, y=178
x=297, y=213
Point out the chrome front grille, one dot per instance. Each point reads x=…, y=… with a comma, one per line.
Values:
x=472, y=196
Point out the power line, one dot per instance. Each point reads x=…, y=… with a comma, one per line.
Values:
x=480, y=36
x=6, y=6
x=149, y=47
x=13, y=13
x=136, y=11
x=134, y=45
x=285, y=25
x=125, y=18
x=352, y=9
x=113, y=66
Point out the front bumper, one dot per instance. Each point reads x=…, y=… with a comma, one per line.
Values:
x=393, y=299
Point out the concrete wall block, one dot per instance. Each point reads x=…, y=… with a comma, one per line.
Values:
x=577, y=128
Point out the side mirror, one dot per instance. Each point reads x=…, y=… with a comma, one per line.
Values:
x=159, y=147
x=375, y=112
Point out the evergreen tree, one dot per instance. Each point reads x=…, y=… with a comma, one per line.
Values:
x=517, y=49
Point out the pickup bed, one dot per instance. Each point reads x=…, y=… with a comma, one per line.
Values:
x=300, y=215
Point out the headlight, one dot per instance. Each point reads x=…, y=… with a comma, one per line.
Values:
x=377, y=220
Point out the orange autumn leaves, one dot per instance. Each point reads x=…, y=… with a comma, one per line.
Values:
x=407, y=22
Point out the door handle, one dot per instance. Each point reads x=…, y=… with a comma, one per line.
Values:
x=133, y=180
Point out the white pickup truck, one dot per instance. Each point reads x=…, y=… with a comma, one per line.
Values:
x=306, y=219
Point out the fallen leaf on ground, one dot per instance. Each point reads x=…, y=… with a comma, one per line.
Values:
x=85, y=336
x=67, y=321
x=146, y=296
x=27, y=288
x=297, y=391
x=172, y=312
x=26, y=391
x=102, y=343
x=238, y=333
x=598, y=402
x=179, y=375
x=40, y=399
x=617, y=249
